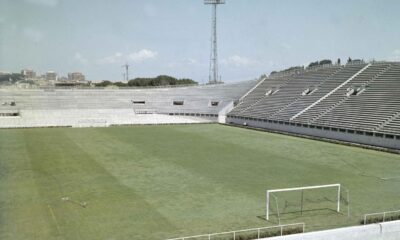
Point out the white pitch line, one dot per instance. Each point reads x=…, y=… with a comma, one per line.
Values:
x=54, y=218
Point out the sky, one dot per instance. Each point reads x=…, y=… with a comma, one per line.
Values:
x=172, y=37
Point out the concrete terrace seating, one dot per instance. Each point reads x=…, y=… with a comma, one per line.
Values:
x=370, y=109
x=91, y=118
x=340, y=95
x=268, y=85
x=321, y=89
x=361, y=97
x=195, y=99
x=97, y=107
x=288, y=93
x=392, y=126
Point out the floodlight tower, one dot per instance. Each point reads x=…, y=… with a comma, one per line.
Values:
x=213, y=77
x=126, y=75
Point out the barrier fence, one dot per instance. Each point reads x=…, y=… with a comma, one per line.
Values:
x=236, y=233
x=383, y=214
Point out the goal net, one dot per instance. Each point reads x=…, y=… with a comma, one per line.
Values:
x=300, y=200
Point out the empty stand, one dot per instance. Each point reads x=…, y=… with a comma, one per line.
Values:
x=340, y=95
x=102, y=107
x=360, y=98
x=288, y=93
x=371, y=108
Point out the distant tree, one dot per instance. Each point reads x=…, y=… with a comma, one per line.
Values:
x=313, y=64
x=291, y=69
x=162, y=80
x=4, y=78
x=11, y=78
x=104, y=83
x=294, y=68
x=325, y=61
x=349, y=60
x=120, y=84
x=70, y=84
x=187, y=81
x=338, y=61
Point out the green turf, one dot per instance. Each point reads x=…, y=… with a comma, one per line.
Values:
x=156, y=182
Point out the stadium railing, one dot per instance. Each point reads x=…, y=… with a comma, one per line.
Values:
x=383, y=214
x=235, y=233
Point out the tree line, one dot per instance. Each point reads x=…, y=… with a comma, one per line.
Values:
x=10, y=78
x=162, y=80
x=317, y=63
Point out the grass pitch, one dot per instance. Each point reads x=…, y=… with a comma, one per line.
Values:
x=157, y=182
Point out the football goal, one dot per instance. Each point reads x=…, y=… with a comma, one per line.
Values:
x=294, y=200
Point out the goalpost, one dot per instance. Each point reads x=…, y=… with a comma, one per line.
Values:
x=270, y=192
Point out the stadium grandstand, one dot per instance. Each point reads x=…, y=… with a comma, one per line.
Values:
x=357, y=102
x=96, y=107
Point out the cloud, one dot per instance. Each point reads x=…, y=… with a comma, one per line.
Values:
x=395, y=56
x=239, y=61
x=33, y=34
x=82, y=60
x=142, y=55
x=136, y=57
x=46, y=3
x=116, y=57
x=184, y=63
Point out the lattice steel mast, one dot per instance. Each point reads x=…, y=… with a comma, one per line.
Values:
x=126, y=75
x=213, y=75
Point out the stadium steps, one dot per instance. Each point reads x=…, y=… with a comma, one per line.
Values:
x=360, y=97
x=392, y=127
x=330, y=93
x=66, y=107
x=253, y=103
x=259, y=93
x=372, y=107
x=286, y=111
x=252, y=89
x=338, y=99
x=371, y=73
x=328, y=110
x=287, y=93
x=388, y=122
x=285, y=107
x=318, y=91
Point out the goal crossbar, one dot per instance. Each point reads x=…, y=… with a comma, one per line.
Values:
x=337, y=185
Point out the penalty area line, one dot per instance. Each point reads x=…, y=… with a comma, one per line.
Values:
x=54, y=218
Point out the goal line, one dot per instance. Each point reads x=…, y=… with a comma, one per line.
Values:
x=270, y=192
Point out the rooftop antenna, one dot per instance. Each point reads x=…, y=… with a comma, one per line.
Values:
x=126, y=75
x=213, y=77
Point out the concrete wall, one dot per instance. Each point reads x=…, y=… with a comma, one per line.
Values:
x=380, y=140
x=92, y=118
x=382, y=231
x=222, y=114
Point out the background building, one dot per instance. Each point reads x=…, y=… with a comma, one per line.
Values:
x=51, y=76
x=62, y=79
x=28, y=73
x=76, y=77
x=4, y=73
